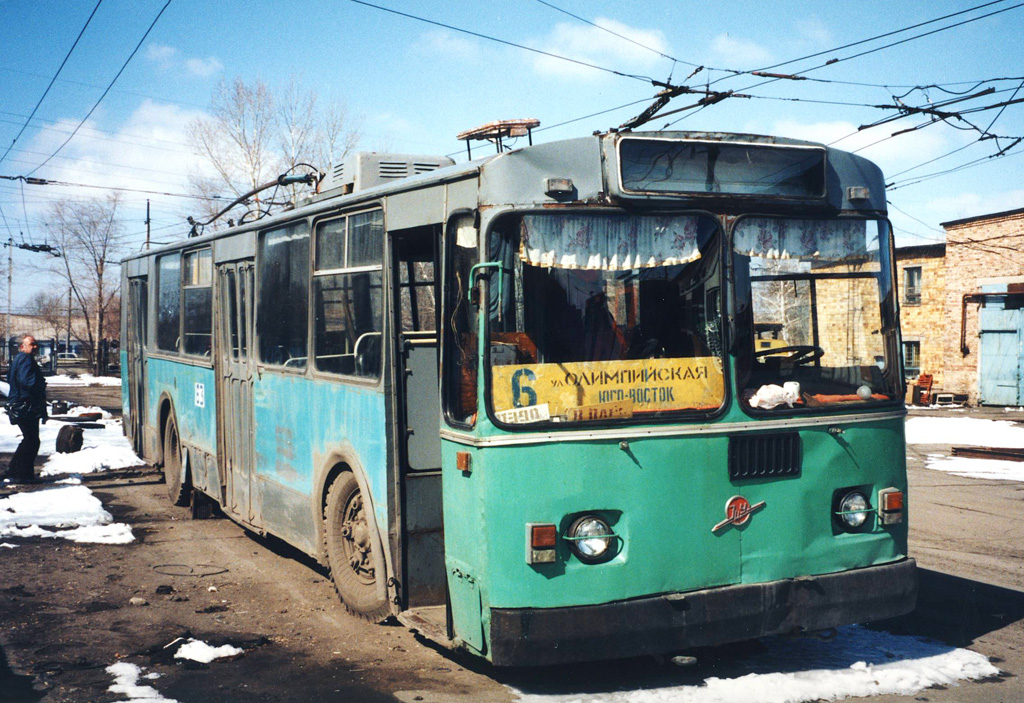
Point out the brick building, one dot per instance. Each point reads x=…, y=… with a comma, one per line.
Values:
x=983, y=317
x=921, y=280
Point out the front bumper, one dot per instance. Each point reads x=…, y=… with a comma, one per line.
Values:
x=676, y=621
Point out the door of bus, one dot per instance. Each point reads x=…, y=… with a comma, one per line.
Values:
x=418, y=407
x=234, y=389
x=138, y=317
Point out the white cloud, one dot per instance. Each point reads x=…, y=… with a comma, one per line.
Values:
x=964, y=205
x=168, y=58
x=204, y=67
x=596, y=46
x=444, y=44
x=814, y=32
x=148, y=151
x=730, y=52
x=161, y=54
x=892, y=155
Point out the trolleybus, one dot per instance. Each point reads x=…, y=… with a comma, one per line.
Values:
x=519, y=404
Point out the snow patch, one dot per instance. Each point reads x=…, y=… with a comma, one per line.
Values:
x=126, y=682
x=114, y=449
x=859, y=662
x=992, y=469
x=84, y=379
x=77, y=514
x=965, y=431
x=200, y=651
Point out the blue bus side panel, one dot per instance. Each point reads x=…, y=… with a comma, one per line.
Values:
x=191, y=389
x=303, y=428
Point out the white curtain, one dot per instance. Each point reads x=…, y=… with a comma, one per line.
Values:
x=781, y=238
x=608, y=242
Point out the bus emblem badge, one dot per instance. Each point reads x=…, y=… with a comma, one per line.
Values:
x=737, y=512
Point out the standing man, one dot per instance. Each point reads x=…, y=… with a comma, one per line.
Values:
x=26, y=406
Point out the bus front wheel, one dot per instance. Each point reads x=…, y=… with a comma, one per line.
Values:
x=177, y=491
x=349, y=544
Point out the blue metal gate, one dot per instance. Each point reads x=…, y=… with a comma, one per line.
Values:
x=1001, y=381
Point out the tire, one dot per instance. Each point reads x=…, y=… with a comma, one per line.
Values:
x=177, y=491
x=69, y=439
x=350, y=551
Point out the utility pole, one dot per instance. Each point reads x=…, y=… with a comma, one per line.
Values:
x=147, y=224
x=7, y=327
x=67, y=346
x=39, y=249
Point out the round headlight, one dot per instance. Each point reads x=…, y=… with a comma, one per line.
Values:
x=590, y=538
x=853, y=509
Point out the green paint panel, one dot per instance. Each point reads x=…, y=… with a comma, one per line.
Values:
x=663, y=497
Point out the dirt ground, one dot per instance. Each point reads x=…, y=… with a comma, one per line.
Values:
x=66, y=609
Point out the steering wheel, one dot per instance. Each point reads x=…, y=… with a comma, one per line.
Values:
x=802, y=353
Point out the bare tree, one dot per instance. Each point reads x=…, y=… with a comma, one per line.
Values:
x=51, y=308
x=88, y=235
x=253, y=135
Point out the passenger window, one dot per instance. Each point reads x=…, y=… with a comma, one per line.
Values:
x=198, y=295
x=461, y=334
x=347, y=295
x=281, y=322
x=168, y=314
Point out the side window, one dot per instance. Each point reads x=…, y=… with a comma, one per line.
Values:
x=416, y=282
x=168, y=314
x=912, y=285
x=197, y=289
x=283, y=297
x=347, y=288
x=912, y=359
x=461, y=333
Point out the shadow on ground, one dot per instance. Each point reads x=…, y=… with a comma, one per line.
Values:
x=15, y=687
x=952, y=612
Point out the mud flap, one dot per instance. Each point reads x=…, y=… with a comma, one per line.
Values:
x=467, y=610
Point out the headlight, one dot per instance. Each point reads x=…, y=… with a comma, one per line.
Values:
x=853, y=509
x=590, y=538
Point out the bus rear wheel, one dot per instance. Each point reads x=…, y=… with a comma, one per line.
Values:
x=349, y=545
x=177, y=491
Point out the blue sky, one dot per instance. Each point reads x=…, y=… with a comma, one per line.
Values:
x=413, y=86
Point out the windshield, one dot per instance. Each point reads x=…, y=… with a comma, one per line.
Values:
x=815, y=299
x=596, y=317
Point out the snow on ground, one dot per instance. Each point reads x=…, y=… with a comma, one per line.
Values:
x=83, y=380
x=200, y=651
x=102, y=449
x=997, y=469
x=964, y=431
x=73, y=511
x=858, y=662
x=126, y=682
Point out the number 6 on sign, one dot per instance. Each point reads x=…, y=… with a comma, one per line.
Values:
x=518, y=389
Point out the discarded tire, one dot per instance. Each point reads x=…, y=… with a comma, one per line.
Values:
x=69, y=439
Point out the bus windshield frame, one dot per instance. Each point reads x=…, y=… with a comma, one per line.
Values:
x=817, y=325
x=600, y=316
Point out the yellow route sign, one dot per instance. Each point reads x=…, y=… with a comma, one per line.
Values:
x=598, y=390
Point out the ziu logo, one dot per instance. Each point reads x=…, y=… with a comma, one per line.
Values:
x=737, y=512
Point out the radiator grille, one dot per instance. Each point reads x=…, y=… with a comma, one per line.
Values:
x=764, y=456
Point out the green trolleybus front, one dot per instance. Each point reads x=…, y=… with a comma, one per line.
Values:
x=629, y=467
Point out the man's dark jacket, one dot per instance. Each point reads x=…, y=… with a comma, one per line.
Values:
x=28, y=387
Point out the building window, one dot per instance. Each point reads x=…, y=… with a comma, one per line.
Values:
x=912, y=359
x=912, y=285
